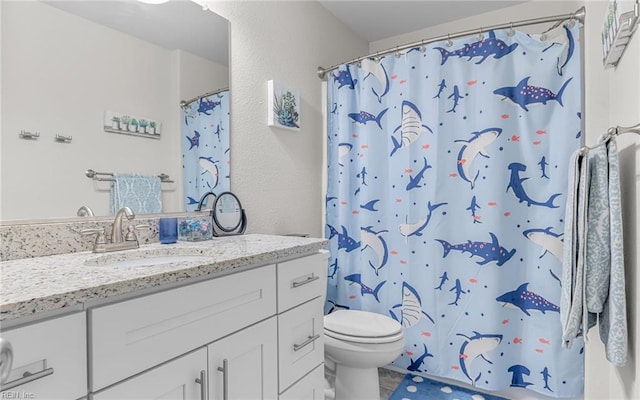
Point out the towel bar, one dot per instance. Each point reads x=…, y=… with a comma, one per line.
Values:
x=100, y=176
x=611, y=132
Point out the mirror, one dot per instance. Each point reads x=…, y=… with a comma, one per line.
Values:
x=66, y=65
x=229, y=217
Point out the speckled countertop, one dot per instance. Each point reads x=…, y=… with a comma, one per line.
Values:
x=34, y=285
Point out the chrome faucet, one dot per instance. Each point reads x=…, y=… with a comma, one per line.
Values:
x=116, y=229
x=85, y=211
x=118, y=241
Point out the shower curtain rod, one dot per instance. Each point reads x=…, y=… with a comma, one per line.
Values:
x=579, y=15
x=185, y=103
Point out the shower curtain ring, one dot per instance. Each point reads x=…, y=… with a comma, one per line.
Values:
x=480, y=36
x=398, y=52
x=449, y=43
x=422, y=47
x=511, y=31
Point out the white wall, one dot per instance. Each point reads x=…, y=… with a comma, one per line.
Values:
x=612, y=97
x=56, y=80
x=277, y=173
x=620, y=92
x=198, y=76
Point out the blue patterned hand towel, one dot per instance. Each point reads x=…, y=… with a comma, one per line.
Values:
x=141, y=193
x=593, y=279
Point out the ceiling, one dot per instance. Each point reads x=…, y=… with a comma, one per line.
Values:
x=375, y=20
x=178, y=24
x=183, y=24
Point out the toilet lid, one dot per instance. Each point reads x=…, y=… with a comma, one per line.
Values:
x=362, y=324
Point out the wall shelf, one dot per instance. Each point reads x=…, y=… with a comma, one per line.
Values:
x=627, y=26
x=126, y=124
x=139, y=134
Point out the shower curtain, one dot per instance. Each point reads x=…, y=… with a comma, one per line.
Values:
x=447, y=175
x=205, y=148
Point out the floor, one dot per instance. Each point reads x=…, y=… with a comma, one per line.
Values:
x=389, y=381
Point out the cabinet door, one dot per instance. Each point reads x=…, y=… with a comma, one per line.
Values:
x=49, y=359
x=245, y=365
x=175, y=380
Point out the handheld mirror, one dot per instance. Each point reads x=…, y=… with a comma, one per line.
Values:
x=228, y=215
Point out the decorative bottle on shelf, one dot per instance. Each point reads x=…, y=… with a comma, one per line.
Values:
x=142, y=126
x=115, y=123
x=124, y=122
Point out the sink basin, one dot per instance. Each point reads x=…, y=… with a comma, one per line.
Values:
x=153, y=257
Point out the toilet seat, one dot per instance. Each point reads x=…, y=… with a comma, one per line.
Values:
x=362, y=327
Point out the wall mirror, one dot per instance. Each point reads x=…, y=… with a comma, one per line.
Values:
x=66, y=64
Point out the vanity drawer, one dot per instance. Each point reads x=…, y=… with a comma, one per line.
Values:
x=300, y=341
x=131, y=336
x=301, y=280
x=55, y=351
x=311, y=387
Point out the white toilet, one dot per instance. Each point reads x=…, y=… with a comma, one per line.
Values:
x=357, y=343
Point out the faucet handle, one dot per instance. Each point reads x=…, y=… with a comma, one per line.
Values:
x=131, y=234
x=101, y=235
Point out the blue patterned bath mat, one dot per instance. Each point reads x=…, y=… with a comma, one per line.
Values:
x=415, y=387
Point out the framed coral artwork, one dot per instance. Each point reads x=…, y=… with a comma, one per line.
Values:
x=283, y=106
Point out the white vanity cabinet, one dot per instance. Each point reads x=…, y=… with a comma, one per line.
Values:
x=253, y=331
x=49, y=359
x=255, y=334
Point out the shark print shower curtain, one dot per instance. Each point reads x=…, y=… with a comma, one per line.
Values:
x=447, y=176
x=205, y=148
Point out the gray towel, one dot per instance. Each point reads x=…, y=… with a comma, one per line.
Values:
x=572, y=310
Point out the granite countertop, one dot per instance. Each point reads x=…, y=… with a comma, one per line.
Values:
x=36, y=285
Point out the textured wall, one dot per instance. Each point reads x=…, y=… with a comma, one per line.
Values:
x=277, y=173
